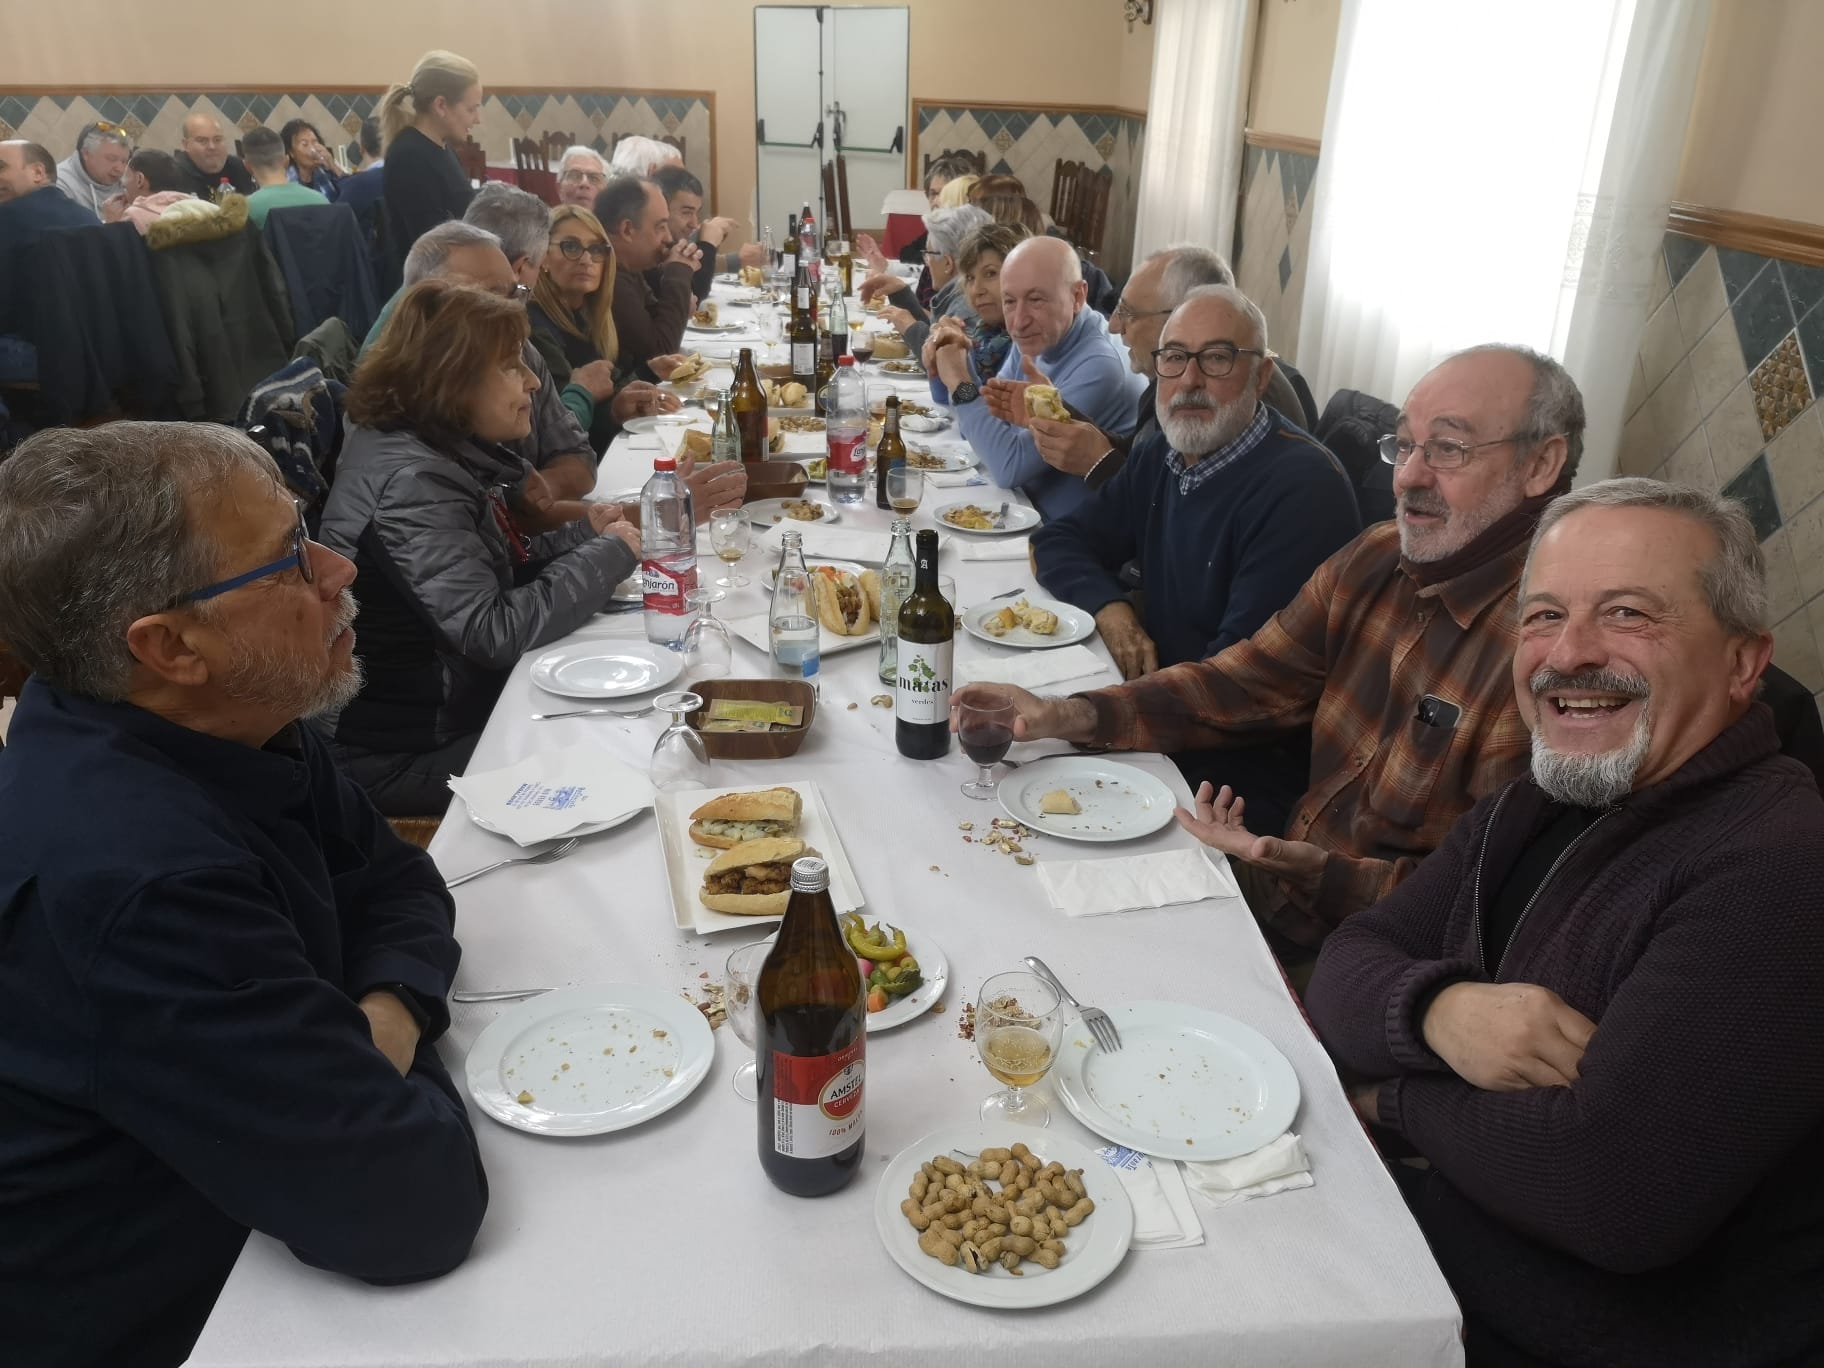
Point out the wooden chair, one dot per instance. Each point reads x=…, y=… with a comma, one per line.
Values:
x=977, y=160
x=1065, y=196
x=1092, y=210
x=556, y=144
x=836, y=196
x=529, y=155
x=472, y=159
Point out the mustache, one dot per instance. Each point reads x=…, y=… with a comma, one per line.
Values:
x=1194, y=400
x=1547, y=680
x=347, y=610
x=1424, y=501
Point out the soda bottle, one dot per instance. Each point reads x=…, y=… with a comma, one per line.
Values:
x=668, y=540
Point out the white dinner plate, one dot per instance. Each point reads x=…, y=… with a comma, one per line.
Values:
x=851, y=567
x=1092, y=1250
x=1020, y=518
x=649, y=423
x=591, y=829
x=1186, y=1083
x=1119, y=802
x=606, y=669
x=955, y=458
x=715, y=327
x=1073, y=624
x=900, y=1010
x=902, y=368
x=589, y=1060
x=765, y=513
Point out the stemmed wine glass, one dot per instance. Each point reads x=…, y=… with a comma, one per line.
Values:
x=730, y=535
x=740, y=979
x=905, y=488
x=1018, y=1023
x=680, y=760
x=984, y=726
x=709, y=651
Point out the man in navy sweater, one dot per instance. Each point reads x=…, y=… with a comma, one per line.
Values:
x=1229, y=508
x=220, y=971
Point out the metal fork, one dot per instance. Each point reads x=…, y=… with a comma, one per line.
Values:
x=593, y=712
x=496, y=994
x=557, y=852
x=1093, y=1017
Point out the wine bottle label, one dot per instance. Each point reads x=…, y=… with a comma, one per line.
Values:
x=817, y=1108
x=922, y=691
x=804, y=358
x=665, y=586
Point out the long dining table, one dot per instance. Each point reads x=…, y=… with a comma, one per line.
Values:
x=664, y=1243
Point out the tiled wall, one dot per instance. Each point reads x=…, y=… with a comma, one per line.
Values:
x=1029, y=143
x=155, y=119
x=1722, y=398
x=1273, y=239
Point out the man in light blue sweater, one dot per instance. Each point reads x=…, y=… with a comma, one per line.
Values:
x=1043, y=299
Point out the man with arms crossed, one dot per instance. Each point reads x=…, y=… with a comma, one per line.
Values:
x=220, y=971
x=1593, y=1009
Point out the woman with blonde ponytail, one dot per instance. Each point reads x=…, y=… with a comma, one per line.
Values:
x=424, y=183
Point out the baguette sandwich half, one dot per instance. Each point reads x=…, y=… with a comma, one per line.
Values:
x=727, y=821
x=754, y=879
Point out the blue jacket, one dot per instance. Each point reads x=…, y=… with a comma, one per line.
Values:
x=186, y=925
x=326, y=264
x=1090, y=370
x=22, y=222
x=1216, y=563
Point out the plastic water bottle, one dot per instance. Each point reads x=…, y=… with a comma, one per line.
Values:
x=668, y=540
x=792, y=627
x=845, y=423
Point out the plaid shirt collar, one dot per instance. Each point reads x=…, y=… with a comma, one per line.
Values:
x=1191, y=478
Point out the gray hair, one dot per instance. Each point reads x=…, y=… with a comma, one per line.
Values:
x=1554, y=410
x=98, y=528
x=1186, y=267
x=1734, y=580
x=577, y=151
x=1237, y=301
x=430, y=255
x=93, y=135
x=638, y=156
x=520, y=219
x=945, y=229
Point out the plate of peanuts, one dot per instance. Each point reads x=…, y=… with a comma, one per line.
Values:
x=979, y=1217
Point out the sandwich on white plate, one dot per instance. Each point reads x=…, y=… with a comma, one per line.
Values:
x=727, y=821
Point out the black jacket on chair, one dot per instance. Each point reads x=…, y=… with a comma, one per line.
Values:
x=1352, y=426
x=230, y=323
x=324, y=259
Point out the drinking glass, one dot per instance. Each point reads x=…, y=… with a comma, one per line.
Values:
x=679, y=759
x=730, y=535
x=739, y=981
x=905, y=489
x=709, y=651
x=771, y=326
x=984, y=726
x=1018, y=1023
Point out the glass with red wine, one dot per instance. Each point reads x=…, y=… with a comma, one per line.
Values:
x=861, y=346
x=984, y=728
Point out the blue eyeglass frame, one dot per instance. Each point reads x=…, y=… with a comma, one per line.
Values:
x=299, y=557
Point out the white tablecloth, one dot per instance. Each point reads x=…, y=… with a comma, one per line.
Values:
x=665, y=1244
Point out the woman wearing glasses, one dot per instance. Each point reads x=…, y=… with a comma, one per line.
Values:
x=452, y=590
x=572, y=307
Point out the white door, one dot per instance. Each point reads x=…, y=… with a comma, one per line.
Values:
x=826, y=75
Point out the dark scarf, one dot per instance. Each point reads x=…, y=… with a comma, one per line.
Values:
x=1496, y=540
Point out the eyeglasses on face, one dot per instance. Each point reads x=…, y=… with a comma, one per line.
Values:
x=298, y=556
x=575, y=177
x=1128, y=314
x=574, y=249
x=1215, y=362
x=1440, y=453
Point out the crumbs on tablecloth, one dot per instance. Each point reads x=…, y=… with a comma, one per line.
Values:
x=965, y=1022
x=714, y=1010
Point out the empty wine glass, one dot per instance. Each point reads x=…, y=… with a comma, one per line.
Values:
x=709, y=651
x=905, y=488
x=984, y=726
x=740, y=978
x=730, y=535
x=679, y=759
x=1018, y=1023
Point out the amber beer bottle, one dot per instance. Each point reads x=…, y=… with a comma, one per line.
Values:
x=812, y=1034
x=926, y=628
x=889, y=452
x=804, y=330
x=748, y=401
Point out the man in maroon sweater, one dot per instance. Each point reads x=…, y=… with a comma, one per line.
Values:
x=1594, y=1010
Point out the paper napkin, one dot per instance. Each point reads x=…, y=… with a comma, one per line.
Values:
x=955, y=479
x=1034, y=669
x=999, y=549
x=1091, y=888
x=1164, y=1217
x=1279, y=1167
x=552, y=793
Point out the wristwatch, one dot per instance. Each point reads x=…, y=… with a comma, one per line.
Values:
x=966, y=393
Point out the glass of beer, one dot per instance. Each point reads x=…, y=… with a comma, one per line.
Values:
x=1018, y=1024
x=905, y=489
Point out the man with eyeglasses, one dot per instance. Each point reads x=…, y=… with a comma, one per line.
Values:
x=1395, y=652
x=1227, y=507
x=581, y=174
x=222, y=972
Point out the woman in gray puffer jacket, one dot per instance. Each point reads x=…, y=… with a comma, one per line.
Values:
x=452, y=592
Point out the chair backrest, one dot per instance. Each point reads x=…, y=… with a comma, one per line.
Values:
x=1092, y=209
x=978, y=161
x=472, y=158
x=556, y=141
x=529, y=155
x=1065, y=193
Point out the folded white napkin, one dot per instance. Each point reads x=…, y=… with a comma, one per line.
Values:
x=1091, y=888
x=999, y=549
x=1279, y=1167
x=552, y=793
x=1164, y=1217
x=955, y=479
x=1034, y=669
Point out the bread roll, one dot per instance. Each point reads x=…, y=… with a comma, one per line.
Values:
x=842, y=604
x=753, y=879
x=734, y=818
x=1042, y=401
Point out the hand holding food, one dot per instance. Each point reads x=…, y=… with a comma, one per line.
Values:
x=1006, y=400
x=1042, y=401
x=689, y=366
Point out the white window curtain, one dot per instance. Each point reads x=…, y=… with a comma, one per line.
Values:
x=1496, y=171
x=1197, y=110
